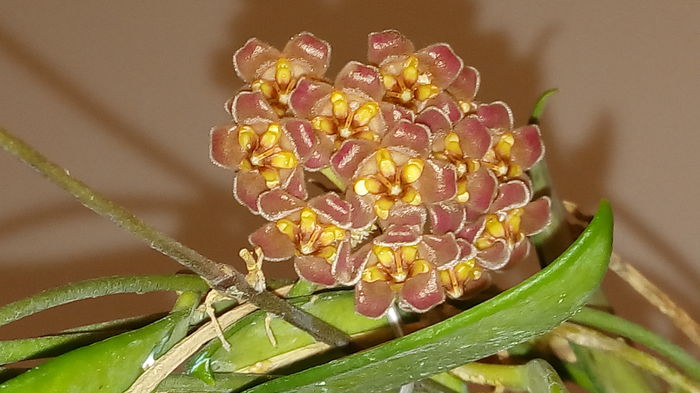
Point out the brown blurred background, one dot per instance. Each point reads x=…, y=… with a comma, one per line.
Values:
x=123, y=95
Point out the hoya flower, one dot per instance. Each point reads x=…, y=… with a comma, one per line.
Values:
x=349, y=109
x=266, y=152
x=466, y=277
x=464, y=88
x=411, y=77
x=314, y=233
x=463, y=144
x=402, y=264
x=501, y=235
x=274, y=73
x=513, y=151
x=397, y=170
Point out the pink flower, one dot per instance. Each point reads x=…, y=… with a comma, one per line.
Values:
x=513, y=151
x=275, y=73
x=265, y=151
x=349, y=109
x=401, y=264
x=314, y=233
x=411, y=77
x=501, y=235
x=397, y=171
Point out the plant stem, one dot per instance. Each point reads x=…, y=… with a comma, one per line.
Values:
x=98, y=287
x=613, y=324
x=220, y=276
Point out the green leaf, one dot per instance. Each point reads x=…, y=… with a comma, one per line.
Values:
x=521, y=313
x=535, y=376
x=222, y=383
x=109, y=366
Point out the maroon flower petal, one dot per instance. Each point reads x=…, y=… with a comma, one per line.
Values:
x=333, y=208
x=320, y=157
x=445, y=103
x=277, y=203
x=474, y=137
x=438, y=182
x=251, y=107
x=305, y=98
x=247, y=187
x=314, y=269
x=422, y=292
x=441, y=250
x=372, y=299
x=404, y=214
x=224, y=149
x=295, y=184
x=472, y=229
x=358, y=76
x=303, y=137
x=446, y=217
x=496, y=115
x=495, y=257
x=536, y=216
x=255, y=56
x=467, y=251
x=361, y=210
x=511, y=195
x=442, y=62
x=415, y=137
x=384, y=44
x=276, y=246
x=435, y=119
x=349, y=156
x=528, y=147
x=398, y=235
x=520, y=251
x=348, y=269
x=315, y=52
x=465, y=86
x=482, y=186
x=392, y=114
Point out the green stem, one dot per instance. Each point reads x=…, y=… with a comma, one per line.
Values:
x=328, y=172
x=99, y=287
x=613, y=324
x=220, y=276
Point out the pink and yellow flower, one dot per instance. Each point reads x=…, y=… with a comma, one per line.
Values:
x=275, y=74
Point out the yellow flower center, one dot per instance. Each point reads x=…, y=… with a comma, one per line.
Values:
x=312, y=237
x=452, y=152
x=391, y=182
x=350, y=119
x=504, y=225
x=408, y=85
x=278, y=89
x=264, y=153
x=395, y=265
x=498, y=158
x=453, y=279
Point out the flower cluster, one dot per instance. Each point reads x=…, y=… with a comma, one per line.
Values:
x=435, y=194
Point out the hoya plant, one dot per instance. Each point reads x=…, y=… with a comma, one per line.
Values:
x=397, y=195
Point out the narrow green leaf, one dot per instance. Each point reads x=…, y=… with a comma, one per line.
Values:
x=526, y=311
x=617, y=325
x=99, y=287
x=222, y=383
x=541, y=103
x=535, y=376
x=109, y=366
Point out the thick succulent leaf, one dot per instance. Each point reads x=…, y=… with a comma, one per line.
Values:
x=521, y=313
x=250, y=342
